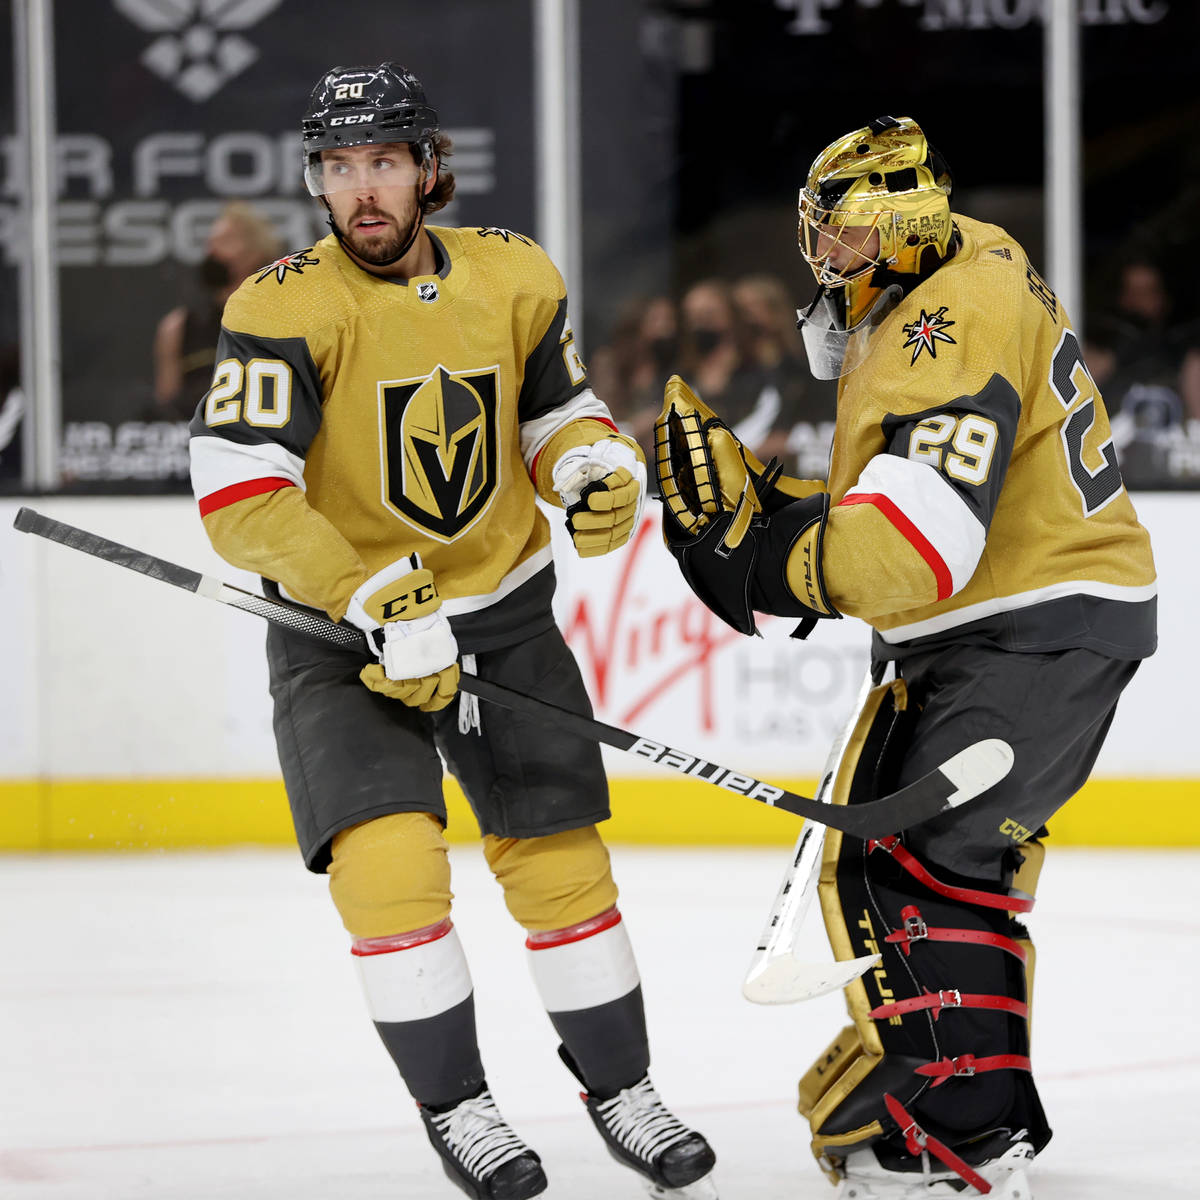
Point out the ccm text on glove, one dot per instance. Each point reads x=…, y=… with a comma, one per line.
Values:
x=399, y=610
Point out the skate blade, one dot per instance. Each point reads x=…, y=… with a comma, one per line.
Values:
x=702, y=1189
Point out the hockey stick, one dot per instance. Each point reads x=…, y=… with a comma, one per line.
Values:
x=776, y=974
x=956, y=781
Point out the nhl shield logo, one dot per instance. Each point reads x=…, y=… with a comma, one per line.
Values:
x=428, y=292
x=441, y=458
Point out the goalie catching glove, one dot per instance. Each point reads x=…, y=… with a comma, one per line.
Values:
x=745, y=536
x=399, y=610
x=603, y=487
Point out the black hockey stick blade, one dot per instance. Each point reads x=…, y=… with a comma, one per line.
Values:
x=959, y=779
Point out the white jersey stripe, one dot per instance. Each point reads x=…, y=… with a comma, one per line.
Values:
x=1001, y=604
x=933, y=507
x=536, y=433
x=520, y=574
x=218, y=463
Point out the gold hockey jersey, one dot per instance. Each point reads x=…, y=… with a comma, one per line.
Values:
x=354, y=419
x=973, y=482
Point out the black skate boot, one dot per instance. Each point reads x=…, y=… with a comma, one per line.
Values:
x=481, y=1153
x=641, y=1132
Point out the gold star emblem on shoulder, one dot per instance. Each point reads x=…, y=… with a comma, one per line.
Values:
x=926, y=331
x=295, y=262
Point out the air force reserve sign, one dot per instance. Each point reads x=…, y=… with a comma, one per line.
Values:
x=440, y=448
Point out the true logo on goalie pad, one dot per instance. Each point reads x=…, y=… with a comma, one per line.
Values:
x=701, y=768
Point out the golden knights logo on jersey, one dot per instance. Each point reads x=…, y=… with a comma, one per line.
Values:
x=440, y=448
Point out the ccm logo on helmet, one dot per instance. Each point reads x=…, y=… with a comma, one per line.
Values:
x=353, y=119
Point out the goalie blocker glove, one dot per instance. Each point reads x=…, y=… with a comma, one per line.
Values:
x=746, y=537
x=399, y=610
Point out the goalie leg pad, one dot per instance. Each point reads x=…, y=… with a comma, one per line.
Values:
x=941, y=1024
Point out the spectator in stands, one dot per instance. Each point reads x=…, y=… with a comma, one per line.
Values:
x=1138, y=333
x=715, y=355
x=809, y=406
x=240, y=242
x=1189, y=383
x=629, y=371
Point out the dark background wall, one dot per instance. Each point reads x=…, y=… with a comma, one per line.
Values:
x=700, y=118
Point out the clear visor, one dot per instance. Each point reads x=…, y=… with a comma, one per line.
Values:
x=362, y=169
x=840, y=245
x=832, y=349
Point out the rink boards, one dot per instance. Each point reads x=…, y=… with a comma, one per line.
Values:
x=136, y=715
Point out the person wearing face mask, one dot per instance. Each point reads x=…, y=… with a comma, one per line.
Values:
x=638, y=358
x=240, y=241
x=715, y=354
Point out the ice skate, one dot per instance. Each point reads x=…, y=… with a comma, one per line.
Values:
x=481, y=1153
x=639, y=1131
x=867, y=1179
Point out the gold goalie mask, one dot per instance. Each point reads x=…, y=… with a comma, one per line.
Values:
x=733, y=525
x=874, y=219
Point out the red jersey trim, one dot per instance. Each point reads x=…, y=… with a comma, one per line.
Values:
x=241, y=491
x=919, y=542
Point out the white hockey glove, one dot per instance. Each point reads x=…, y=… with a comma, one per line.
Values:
x=399, y=610
x=603, y=488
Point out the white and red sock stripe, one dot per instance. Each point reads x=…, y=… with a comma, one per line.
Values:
x=413, y=976
x=583, y=965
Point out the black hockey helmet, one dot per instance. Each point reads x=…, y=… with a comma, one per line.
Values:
x=355, y=106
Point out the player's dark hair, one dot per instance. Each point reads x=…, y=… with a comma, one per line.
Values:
x=443, y=190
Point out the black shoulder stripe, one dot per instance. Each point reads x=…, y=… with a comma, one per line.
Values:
x=258, y=387
x=548, y=379
x=969, y=439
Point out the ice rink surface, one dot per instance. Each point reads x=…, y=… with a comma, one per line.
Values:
x=189, y=1027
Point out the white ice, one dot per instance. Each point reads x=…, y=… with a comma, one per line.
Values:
x=189, y=1027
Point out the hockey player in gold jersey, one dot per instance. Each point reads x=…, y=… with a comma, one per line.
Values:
x=976, y=518
x=387, y=406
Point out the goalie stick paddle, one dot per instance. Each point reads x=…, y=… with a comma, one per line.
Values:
x=777, y=974
x=956, y=781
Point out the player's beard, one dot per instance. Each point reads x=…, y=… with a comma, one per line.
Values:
x=381, y=251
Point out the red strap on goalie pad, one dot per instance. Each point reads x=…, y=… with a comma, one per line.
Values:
x=968, y=1064
x=967, y=895
x=950, y=998
x=917, y=1141
x=915, y=930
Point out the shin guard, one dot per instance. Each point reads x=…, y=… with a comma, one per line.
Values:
x=937, y=1057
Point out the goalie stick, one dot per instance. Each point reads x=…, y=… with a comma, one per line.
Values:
x=956, y=781
x=777, y=974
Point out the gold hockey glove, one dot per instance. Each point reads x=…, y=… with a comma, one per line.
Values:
x=732, y=524
x=399, y=610
x=603, y=488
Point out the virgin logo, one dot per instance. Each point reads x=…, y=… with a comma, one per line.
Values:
x=641, y=637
